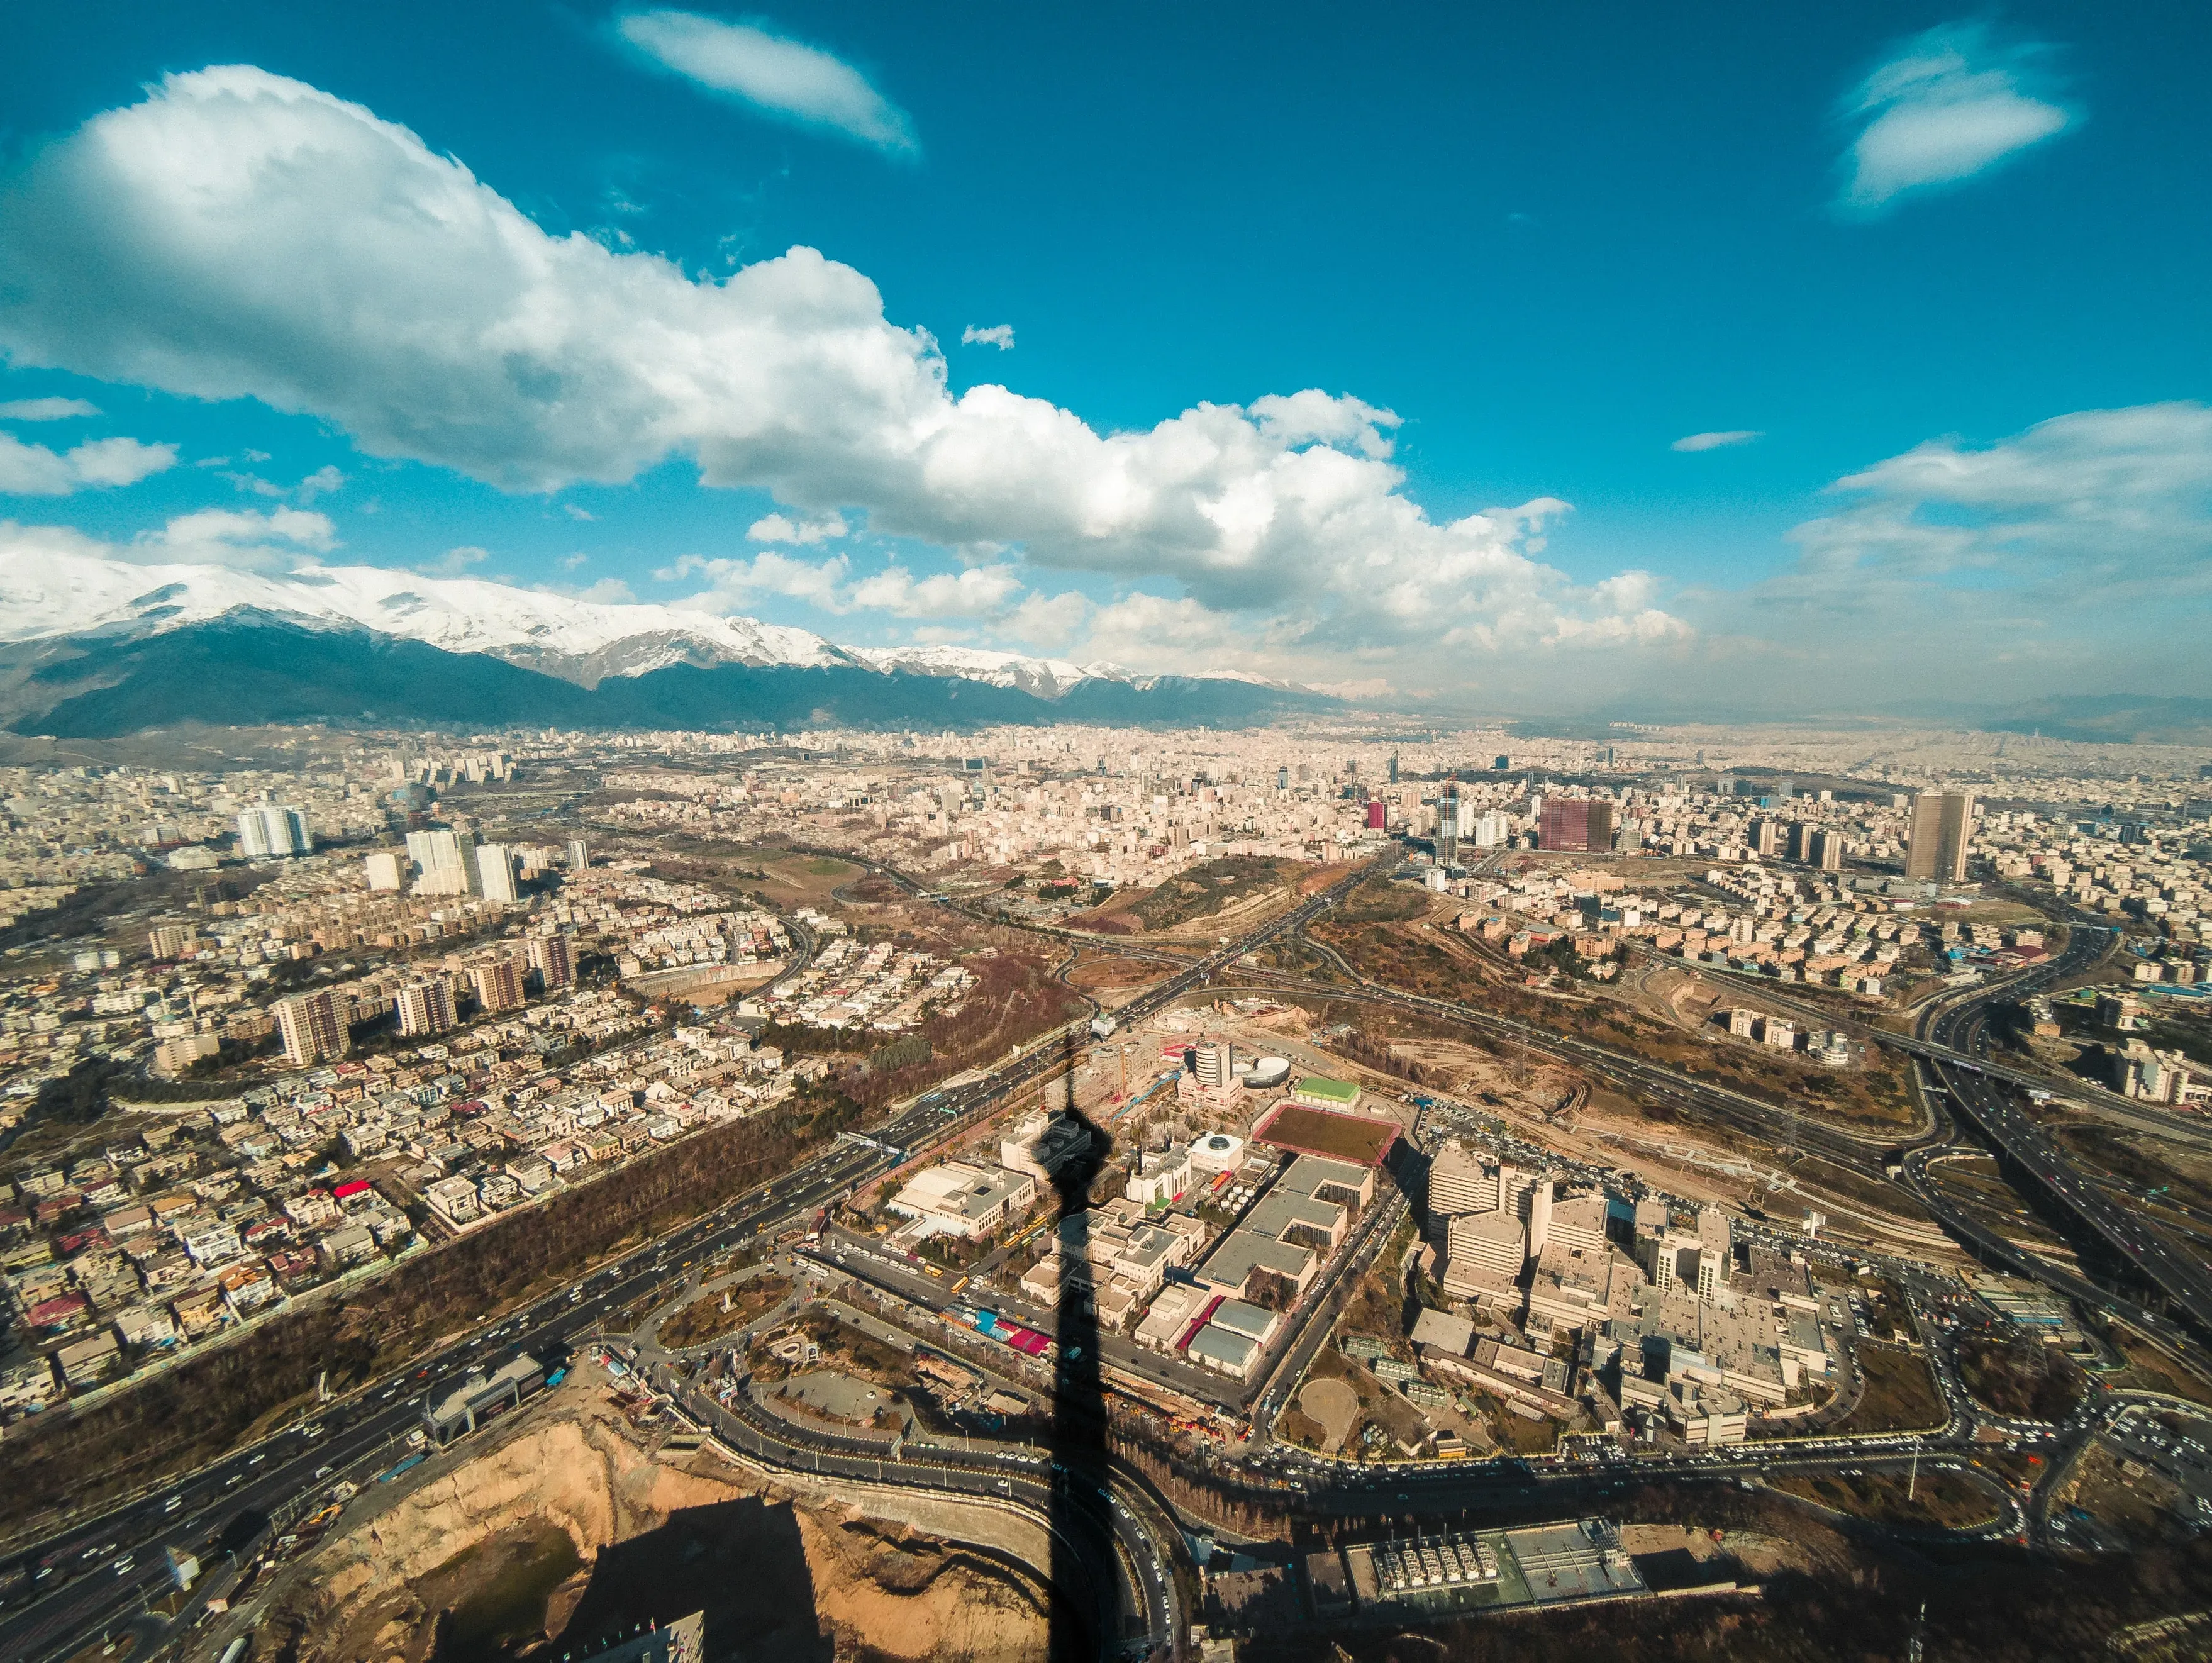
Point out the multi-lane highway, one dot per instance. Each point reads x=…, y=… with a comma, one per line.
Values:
x=1853, y=1149
x=1955, y=1045
x=1963, y=1030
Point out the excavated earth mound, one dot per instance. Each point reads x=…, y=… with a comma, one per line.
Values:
x=569, y=1532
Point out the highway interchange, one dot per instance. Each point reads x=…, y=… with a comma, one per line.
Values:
x=1964, y=1030
x=98, y=1574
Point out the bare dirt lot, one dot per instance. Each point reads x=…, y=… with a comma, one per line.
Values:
x=1401, y=936
x=2024, y=1377
x=571, y=1531
x=1334, y=1406
x=2138, y=1504
x=1229, y=893
x=2150, y=1369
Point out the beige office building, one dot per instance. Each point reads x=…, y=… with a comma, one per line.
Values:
x=312, y=1029
x=425, y=1007
x=498, y=983
x=1942, y=824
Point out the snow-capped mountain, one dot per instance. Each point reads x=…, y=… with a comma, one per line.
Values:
x=1046, y=677
x=1243, y=675
x=63, y=596
x=581, y=642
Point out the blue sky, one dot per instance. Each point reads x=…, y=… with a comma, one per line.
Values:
x=1954, y=259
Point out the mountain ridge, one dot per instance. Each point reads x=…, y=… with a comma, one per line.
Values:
x=69, y=595
x=246, y=668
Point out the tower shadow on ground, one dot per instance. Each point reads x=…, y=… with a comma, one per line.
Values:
x=741, y=1560
x=1085, y=1608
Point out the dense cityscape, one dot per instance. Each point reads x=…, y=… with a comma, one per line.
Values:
x=906, y=833
x=1441, y=1099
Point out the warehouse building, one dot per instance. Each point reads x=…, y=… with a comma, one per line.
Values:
x=957, y=1199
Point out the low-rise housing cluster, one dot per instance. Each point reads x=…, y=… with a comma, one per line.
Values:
x=883, y=987
x=201, y=1219
x=654, y=924
x=210, y=1214
x=1136, y=815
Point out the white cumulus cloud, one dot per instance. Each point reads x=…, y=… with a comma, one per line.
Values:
x=786, y=78
x=1714, y=441
x=454, y=562
x=1001, y=335
x=981, y=591
x=1157, y=633
x=978, y=592
x=321, y=482
x=1953, y=101
x=2091, y=508
x=46, y=410
x=782, y=528
x=734, y=585
x=237, y=234
x=34, y=470
x=279, y=540
x=2075, y=554
x=1049, y=620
